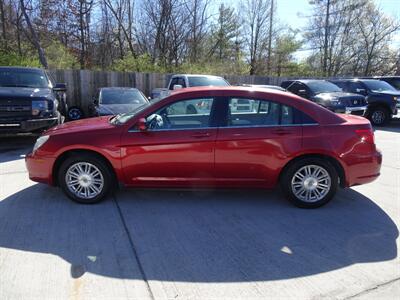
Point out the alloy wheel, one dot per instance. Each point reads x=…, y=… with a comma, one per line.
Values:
x=84, y=180
x=311, y=183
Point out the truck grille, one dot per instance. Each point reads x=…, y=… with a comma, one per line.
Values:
x=15, y=108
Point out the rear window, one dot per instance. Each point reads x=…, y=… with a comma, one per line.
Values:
x=207, y=81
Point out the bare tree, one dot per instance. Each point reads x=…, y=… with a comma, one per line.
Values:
x=121, y=10
x=256, y=14
x=34, y=35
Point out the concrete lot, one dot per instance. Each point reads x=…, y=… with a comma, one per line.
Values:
x=198, y=245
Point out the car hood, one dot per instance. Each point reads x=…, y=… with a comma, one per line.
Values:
x=114, y=109
x=81, y=126
x=25, y=92
x=387, y=93
x=339, y=95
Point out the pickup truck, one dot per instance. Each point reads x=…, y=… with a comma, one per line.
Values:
x=382, y=98
x=179, y=81
x=30, y=100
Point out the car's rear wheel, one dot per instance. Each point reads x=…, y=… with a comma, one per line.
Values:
x=379, y=116
x=85, y=179
x=310, y=182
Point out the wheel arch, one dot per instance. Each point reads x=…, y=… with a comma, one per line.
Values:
x=61, y=158
x=335, y=163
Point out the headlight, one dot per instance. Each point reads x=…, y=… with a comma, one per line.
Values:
x=396, y=98
x=40, y=141
x=38, y=106
x=335, y=101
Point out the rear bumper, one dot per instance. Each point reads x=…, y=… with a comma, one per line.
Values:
x=40, y=168
x=28, y=125
x=366, y=170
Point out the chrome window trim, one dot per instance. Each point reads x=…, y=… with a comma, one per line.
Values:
x=224, y=127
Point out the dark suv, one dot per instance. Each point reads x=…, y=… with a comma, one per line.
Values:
x=394, y=81
x=29, y=100
x=382, y=98
x=327, y=95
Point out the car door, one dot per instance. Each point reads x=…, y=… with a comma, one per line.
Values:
x=177, y=148
x=252, y=146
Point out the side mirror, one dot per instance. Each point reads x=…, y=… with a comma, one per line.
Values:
x=95, y=101
x=60, y=87
x=142, y=124
x=302, y=93
x=177, y=87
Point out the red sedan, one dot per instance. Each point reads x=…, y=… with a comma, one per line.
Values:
x=238, y=137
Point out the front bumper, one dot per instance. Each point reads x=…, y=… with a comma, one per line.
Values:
x=357, y=110
x=27, y=125
x=40, y=168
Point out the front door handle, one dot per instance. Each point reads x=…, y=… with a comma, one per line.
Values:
x=282, y=131
x=200, y=135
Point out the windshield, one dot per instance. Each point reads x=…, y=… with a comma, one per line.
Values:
x=125, y=117
x=23, y=78
x=122, y=96
x=207, y=81
x=379, y=86
x=318, y=87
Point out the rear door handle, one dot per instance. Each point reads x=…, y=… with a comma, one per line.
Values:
x=201, y=135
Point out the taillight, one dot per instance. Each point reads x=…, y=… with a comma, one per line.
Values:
x=366, y=135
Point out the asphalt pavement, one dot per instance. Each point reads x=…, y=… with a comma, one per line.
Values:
x=200, y=244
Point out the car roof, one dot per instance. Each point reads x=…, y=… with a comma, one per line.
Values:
x=265, y=86
x=353, y=79
x=9, y=68
x=196, y=75
x=118, y=88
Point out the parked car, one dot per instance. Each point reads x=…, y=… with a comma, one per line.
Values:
x=265, y=86
x=394, y=81
x=383, y=99
x=288, y=140
x=327, y=95
x=30, y=100
x=117, y=100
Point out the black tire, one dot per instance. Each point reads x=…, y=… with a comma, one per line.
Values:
x=379, y=116
x=102, y=167
x=289, y=173
x=75, y=113
x=191, y=110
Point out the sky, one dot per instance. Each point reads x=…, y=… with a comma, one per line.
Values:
x=294, y=14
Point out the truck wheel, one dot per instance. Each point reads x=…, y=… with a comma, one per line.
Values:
x=310, y=182
x=75, y=113
x=379, y=116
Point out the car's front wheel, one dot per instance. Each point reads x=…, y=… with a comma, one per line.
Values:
x=310, y=182
x=85, y=179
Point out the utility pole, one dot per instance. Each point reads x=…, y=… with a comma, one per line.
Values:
x=325, y=64
x=271, y=16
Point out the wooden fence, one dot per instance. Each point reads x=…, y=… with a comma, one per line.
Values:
x=82, y=85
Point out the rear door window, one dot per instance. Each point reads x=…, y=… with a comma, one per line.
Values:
x=244, y=112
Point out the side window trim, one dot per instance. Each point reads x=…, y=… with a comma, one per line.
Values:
x=295, y=111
